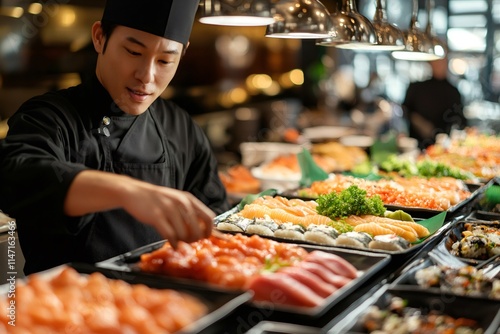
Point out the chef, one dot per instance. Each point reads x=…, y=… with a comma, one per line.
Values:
x=107, y=166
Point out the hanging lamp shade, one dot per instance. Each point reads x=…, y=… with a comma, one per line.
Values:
x=389, y=36
x=351, y=29
x=438, y=45
x=305, y=19
x=237, y=12
x=418, y=46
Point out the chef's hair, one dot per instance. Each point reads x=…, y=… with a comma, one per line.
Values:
x=108, y=28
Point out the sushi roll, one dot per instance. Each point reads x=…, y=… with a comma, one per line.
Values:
x=262, y=226
x=290, y=231
x=471, y=247
x=389, y=242
x=321, y=234
x=354, y=239
x=234, y=223
x=429, y=276
x=494, y=244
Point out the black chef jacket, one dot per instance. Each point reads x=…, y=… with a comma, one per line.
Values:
x=55, y=136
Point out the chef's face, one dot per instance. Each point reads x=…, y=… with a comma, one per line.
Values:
x=136, y=66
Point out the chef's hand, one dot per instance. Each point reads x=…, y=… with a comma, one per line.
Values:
x=176, y=215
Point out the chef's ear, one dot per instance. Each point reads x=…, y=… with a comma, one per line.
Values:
x=184, y=49
x=98, y=38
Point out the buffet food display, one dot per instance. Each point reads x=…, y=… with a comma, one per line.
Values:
x=298, y=279
x=348, y=219
x=405, y=244
x=472, y=151
x=68, y=301
x=414, y=192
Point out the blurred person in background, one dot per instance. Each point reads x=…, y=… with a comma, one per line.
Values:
x=433, y=106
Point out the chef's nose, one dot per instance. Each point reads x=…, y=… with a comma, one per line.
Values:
x=145, y=73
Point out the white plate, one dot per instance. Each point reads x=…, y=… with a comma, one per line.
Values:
x=255, y=153
x=276, y=181
x=318, y=133
x=357, y=141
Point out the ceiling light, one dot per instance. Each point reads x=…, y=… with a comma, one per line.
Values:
x=438, y=46
x=236, y=13
x=305, y=19
x=389, y=37
x=15, y=12
x=351, y=30
x=418, y=45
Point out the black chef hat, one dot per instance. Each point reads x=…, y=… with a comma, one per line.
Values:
x=172, y=19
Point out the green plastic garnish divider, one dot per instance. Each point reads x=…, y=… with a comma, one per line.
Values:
x=310, y=170
x=368, y=177
x=383, y=149
x=432, y=224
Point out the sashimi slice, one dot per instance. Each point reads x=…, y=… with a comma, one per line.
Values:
x=310, y=280
x=335, y=263
x=326, y=275
x=280, y=288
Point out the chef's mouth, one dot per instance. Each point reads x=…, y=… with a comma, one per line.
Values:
x=137, y=92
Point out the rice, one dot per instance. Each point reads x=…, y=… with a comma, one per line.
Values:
x=262, y=227
x=290, y=231
x=471, y=247
x=354, y=239
x=321, y=234
x=234, y=223
x=390, y=242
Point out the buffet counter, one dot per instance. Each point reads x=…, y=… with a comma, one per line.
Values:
x=303, y=262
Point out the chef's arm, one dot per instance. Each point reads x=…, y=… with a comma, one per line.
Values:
x=176, y=214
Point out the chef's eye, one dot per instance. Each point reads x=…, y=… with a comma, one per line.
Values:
x=165, y=62
x=133, y=53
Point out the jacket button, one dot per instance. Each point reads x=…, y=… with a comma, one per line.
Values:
x=106, y=120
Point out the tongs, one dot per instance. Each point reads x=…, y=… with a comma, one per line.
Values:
x=491, y=267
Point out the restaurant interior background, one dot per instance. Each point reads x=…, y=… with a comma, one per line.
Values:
x=242, y=86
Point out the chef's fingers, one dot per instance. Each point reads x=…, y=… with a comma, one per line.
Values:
x=205, y=218
x=190, y=223
x=166, y=230
x=175, y=219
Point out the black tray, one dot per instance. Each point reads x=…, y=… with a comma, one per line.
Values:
x=485, y=312
x=415, y=248
x=271, y=327
x=408, y=280
x=485, y=215
x=416, y=212
x=219, y=303
x=367, y=264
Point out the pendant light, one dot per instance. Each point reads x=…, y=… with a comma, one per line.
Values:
x=437, y=45
x=389, y=37
x=305, y=19
x=237, y=12
x=351, y=29
x=418, y=46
